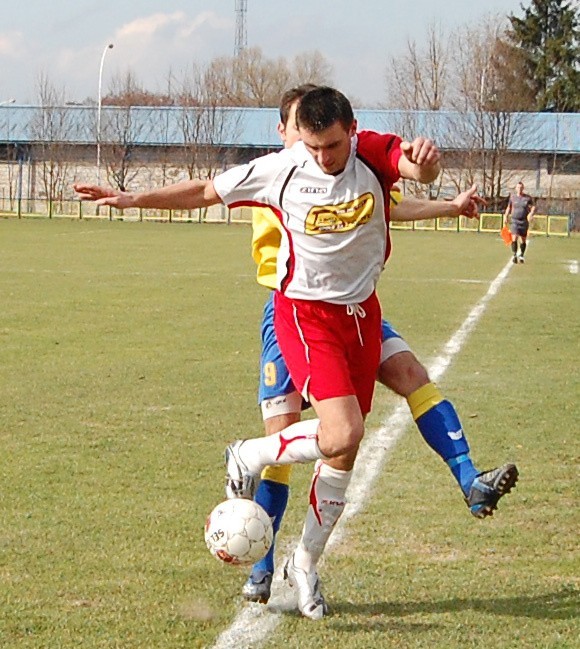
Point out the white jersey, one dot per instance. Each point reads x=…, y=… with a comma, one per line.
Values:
x=335, y=228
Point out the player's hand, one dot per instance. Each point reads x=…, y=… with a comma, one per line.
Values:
x=103, y=195
x=468, y=203
x=421, y=151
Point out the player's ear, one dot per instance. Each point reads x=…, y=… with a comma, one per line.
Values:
x=281, y=131
x=353, y=127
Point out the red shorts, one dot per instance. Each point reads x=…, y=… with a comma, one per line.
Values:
x=332, y=350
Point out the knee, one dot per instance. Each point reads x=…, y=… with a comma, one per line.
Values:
x=343, y=440
x=403, y=374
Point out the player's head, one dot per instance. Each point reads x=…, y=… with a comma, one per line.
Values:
x=520, y=188
x=287, y=126
x=326, y=124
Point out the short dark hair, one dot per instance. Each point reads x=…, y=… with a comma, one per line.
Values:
x=322, y=107
x=289, y=97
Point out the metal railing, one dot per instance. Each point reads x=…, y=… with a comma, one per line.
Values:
x=542, y=224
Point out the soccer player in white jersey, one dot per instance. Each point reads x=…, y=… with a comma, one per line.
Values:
x=329, y=194
x=400, y=371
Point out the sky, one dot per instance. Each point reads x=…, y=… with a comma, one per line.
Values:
x=64, y=39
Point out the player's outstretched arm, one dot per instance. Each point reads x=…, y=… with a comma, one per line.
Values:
x=416, y=209
x=420, y=160
x=187, y=195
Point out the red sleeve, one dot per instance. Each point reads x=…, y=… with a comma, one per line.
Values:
x=381, y=151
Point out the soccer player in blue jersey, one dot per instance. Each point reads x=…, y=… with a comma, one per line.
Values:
x=399, y=371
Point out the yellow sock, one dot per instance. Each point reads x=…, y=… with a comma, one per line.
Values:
x=423, y=399
x=279, y=473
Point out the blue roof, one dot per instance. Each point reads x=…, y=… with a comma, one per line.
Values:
x=256, y=127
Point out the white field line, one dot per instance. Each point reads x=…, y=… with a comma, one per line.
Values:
x=79, y=233
x=573, y=266
x=435, y=280
x=255, y=623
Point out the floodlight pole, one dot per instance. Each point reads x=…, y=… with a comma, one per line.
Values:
x=99, y=105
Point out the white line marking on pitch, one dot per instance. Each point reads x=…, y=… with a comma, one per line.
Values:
x=255, y=623
x=437, y=280
x=79, y=233
x=573, y=266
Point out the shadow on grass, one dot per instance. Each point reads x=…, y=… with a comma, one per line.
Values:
x=560, y=605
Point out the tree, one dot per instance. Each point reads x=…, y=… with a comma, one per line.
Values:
x=123, y=128
x=14, y=155
x=311, y=67
x=418, y=79
x=511, y=88
x=204, y=123
x=51, y=127
x=488, y=104
x=127, y=91
x=548, y=37
x=251, y=79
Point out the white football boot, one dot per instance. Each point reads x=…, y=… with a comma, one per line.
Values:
x=240, y=483
x=307, y=586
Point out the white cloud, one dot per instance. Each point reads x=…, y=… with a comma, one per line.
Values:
x=149, y=46
x=177, y=22
x=170, y=39
x=152, y=45
x=149, y=25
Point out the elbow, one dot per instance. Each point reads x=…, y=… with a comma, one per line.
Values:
x=426, y=175
x=430, y=174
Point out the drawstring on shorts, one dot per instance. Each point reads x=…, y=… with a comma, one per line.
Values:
x=357, y=311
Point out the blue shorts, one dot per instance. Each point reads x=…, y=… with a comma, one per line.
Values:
x=275, y=379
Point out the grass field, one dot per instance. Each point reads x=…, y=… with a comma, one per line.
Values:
x=128, y=360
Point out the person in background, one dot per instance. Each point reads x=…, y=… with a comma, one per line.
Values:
x=521, y=209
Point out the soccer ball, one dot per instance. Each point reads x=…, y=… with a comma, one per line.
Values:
x=238, y=531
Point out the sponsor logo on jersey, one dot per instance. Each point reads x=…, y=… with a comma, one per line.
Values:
x=323, y=219
x=313, y=190
x=455, y=434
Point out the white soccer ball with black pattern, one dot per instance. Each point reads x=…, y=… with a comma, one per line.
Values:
x=238, y=531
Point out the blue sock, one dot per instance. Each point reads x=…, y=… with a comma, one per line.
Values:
x=273, y=497
x=463, y=471
x=442, y=430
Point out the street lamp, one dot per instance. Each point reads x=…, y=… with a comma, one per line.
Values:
x=107, y=48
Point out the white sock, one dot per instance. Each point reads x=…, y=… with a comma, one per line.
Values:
x=296, y=444
x=327, y=502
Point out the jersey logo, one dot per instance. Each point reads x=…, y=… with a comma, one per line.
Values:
x=323, y=219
